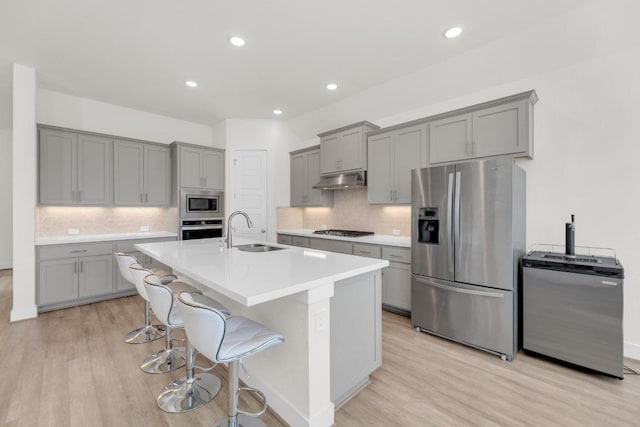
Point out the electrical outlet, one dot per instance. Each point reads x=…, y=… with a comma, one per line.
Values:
x=324, y=226
x=73, y=231
x=395, y=231
x=321, y=320
x=144, y=228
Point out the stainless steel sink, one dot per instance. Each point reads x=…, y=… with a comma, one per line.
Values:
x=257, y=247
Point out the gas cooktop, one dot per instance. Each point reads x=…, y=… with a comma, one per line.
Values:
x=344, y=233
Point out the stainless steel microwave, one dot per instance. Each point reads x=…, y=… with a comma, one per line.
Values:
x=201, y=204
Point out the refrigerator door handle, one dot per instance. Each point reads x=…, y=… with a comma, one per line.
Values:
x=460, y=290
x=456, y=221
x=449, y=228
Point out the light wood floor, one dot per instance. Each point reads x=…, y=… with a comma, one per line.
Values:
x=70, y=368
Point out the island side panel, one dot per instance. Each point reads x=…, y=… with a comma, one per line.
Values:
x=295, y=376
x=356, y=334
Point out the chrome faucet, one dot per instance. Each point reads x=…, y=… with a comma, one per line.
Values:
x=228, y=236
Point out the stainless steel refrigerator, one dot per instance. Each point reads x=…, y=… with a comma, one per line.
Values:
x=468, y=233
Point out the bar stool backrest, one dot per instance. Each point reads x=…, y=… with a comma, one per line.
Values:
x=204, y=325
x=124, y=261
x=161, y=300
x=138, y=273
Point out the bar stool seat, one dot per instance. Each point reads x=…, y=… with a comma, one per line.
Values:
x=191, y=391
x=227, y=339
x=148, y=332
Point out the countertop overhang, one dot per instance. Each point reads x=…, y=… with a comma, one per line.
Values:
x=251, y=278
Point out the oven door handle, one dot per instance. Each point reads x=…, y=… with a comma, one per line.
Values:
x=204, y=227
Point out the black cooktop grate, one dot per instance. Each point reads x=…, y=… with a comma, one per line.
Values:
x=344, y=233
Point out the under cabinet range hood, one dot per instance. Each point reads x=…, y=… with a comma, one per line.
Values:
x=343, y=181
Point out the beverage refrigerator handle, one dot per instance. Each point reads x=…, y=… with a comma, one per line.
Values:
x=457, y=218
x=449, y=220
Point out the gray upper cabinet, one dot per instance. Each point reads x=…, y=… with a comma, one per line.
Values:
x=305, y=173
x=450, y=139
x=199, y=167
x=142, y=174
x=392, y=155
x=157, y=175
x=503, y=127
x=345, y=149
x=75, y=168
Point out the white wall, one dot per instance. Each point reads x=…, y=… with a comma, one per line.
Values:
x=585, y=72
x=6, y=207
x=274, y=137
x=72, y=112
x=24, y=192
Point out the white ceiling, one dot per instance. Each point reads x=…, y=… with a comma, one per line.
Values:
x=139, y=53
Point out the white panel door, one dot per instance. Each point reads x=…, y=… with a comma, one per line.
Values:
x=249, y=192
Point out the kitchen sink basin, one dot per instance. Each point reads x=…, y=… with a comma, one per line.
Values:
x=257, y=247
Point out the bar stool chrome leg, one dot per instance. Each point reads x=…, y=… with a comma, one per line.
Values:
x=189, y=392
x=148, y=332
x=166, y=360
x=236, y=418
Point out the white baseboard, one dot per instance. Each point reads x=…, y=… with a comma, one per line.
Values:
x=632, y=350
x=24, y=313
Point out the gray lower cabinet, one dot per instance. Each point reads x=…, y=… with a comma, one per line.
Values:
x=391, y=157
x=142, y=174
x=74, y=168
x=74, y=274
x=305, y=173
x=68, y=273
x=396, y=279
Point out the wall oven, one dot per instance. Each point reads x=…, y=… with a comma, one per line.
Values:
x=201, y=204
x=191, y=229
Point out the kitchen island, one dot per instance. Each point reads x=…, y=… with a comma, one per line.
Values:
x=326, y=305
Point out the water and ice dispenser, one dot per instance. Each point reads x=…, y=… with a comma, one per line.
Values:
x=428, y=225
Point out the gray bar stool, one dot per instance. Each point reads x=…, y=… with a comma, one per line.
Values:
x=148, y=332
x=226, y=339
x=191, y=391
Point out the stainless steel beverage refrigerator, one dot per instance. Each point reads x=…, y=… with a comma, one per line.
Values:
x=468, y=234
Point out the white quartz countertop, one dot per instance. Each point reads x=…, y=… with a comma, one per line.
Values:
x=376, y=239
x=90, y=238
x=251, y=278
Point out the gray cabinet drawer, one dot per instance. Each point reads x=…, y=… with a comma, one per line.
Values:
x=370, y=251
x=74, y=250
x=332, y=246
x=396, y=254
x=284, y=239
x=127, y=246
x=300, y=241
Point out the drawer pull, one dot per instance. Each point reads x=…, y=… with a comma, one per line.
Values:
x=78, y=252
x=395, y=256
x=366, y=252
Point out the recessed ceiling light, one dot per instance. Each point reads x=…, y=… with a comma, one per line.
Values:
x=332, y=86
x=191, y=83
x=453, y=32
x=277, y=112
x=237, y=41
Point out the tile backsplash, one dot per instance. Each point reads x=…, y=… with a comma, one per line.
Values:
x=350, y=211
x=57, y=220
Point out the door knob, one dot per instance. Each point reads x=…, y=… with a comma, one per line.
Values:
x=263, y=231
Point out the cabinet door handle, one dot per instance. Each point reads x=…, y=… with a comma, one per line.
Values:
x=395, y=195
x=474, y=148
x=81, y=266
x=79, y=251
x=79, y=196
x=75, y=267
x=390, y=194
